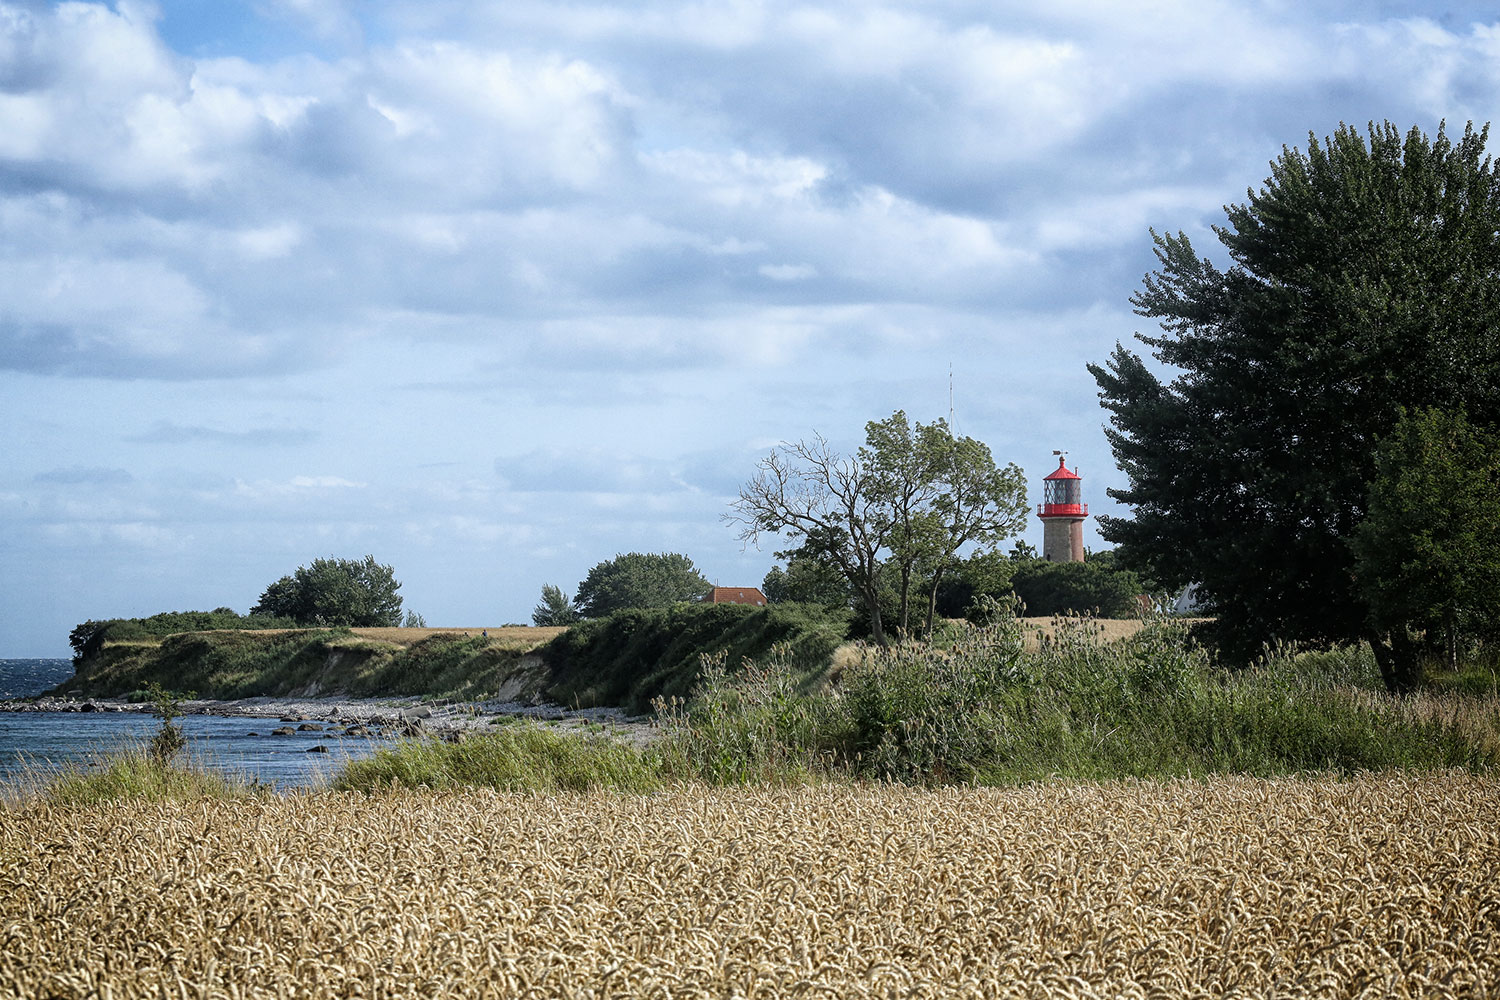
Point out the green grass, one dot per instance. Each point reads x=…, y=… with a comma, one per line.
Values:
x=231, y=664
x=980, y=706
x=986, y=710
x=134, y=774
x=633, y=657
x=515, y=758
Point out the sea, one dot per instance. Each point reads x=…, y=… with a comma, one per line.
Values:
x=33, y=744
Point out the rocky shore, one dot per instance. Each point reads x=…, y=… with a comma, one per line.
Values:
x=408, y=716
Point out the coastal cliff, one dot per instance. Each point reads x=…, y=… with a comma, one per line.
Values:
x=230, y=664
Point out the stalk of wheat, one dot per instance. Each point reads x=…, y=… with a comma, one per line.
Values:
x=1379, y=886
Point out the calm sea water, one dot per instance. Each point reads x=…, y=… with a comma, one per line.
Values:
x=33, y=740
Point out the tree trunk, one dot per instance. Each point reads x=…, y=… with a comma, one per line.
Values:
x=1397, y=657
x=904, y=629
x=877, y=627
x=937, y=579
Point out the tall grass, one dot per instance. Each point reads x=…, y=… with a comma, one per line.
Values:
x=136, y=774
x=984, y=709
x=517, y=758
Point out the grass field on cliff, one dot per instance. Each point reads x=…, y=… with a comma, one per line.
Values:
x=625, y=659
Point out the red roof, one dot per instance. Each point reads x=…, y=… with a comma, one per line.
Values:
x=736, y=595
x=1062, y=470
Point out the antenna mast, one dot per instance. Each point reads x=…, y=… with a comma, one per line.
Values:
x=952, y=432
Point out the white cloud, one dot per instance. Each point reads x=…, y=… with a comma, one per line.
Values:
x=614, y=241
x=267, y=242
x=737, y=179
x=296, y=485
x=788, y=272
x=326, y=19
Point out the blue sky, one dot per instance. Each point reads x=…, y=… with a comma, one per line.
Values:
x=496, y=291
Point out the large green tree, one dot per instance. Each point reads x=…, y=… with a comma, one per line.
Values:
x=1426, y=560
x=901, y=506
x=1365, y=278
x=353, y=592
x=639, y=580
x=809, y=578
x=944, y=493
x=1049, y=588
x=555, y=608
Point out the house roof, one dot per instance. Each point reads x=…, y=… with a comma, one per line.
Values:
x=736, y=595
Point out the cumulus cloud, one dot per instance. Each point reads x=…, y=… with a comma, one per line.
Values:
x=304, y=267
x=482, y=165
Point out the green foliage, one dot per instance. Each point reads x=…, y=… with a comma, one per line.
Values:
x=1426, y=562
x=169, y=739
x=754, y=724
x=1049, y=589
x=335, y=592
x=555, y=608
x=633, y=657
x=1366, y=278
x=987, y=609
x=304, y=662
x=638, y=580
x=940, y=494
x=413, y=620
x=916, y=715
x=87, y=638
x=901, y=507
x=983, y=709
x=515, y=758
x=809, y=578
x=135, y=774
x=983, y=573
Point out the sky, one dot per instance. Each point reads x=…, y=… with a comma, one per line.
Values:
x=494, y=292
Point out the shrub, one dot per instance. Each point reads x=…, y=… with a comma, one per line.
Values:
x=633, y=657
x=1064, y=588
x=983, y=709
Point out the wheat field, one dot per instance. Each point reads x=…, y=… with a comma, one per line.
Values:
x=1374, y=887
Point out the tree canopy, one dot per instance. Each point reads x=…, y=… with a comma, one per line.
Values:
x=1426, y=562
x=1365, y=278
x=904, y=504
x=555, y=608
x=1049, y=588
x=639, y=580
x=349, y=592
x=808, y=578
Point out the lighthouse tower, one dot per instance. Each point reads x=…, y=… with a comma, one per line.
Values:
x=1062, y=512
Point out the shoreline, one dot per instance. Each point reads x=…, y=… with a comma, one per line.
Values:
x=414, y=715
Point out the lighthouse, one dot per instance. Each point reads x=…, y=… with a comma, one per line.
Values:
x=1062, y=511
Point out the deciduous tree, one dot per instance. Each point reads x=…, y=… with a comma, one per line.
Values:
x=639, y=580
x=352, y=592
x=904, y=504
x=555, y=608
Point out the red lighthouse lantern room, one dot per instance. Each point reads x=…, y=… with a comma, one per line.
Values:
x=1062, y=512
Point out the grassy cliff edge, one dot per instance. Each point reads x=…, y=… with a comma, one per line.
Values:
x=628, y=658
x=311, y=662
